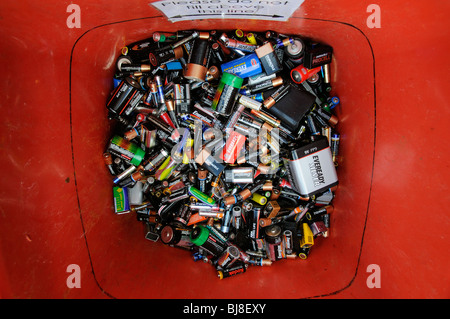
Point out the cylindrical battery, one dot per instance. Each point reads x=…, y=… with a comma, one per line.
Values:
x=197, y=64
x=335, y=146
x=170, y=235
x=155, y=160
x=202, y=237
x=184, y=214
x=295, y=51
x=174, y=236
x=124, y=98
x=288, y=241
x=159, y=57
x=253, y=222
x=182, y=98
x=126, y=150
x=237, y=216
x=274, y=242
x=228, y=257
x=301, y=74
x=226, y=221
x=226, y=93
x=235, y=270
x=304, y=252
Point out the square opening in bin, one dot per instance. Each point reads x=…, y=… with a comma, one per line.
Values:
x=126, y=264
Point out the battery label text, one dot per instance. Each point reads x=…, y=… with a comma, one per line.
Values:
x=316, y=171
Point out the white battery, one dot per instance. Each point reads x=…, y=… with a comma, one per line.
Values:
x=312, y=168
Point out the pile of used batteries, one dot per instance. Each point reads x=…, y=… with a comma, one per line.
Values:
x=225, y=144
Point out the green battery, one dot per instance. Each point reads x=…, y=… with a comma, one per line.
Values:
x=226, y=93
x=201, y=196
x=126, y=150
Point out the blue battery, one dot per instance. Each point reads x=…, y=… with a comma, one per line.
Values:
x=174, y=65
x=243, y=67
x=116, y=82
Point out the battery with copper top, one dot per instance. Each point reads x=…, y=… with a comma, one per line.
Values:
x=109, y=162
x=268, y=58
x=165, y=55
x=135, y=68
x=263, y=86
x=274, y=246
x=197, y=64
x=266, y=117
x=281, y=92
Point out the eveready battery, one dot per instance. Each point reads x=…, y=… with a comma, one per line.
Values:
x=311, y=167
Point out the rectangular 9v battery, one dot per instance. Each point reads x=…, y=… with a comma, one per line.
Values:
x=311, y=167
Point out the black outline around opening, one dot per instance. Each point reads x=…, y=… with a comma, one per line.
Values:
x=154, y=17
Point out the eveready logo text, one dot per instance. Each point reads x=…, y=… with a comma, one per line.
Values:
x=316, y=171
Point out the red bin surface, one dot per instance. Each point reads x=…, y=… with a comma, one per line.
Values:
x=56, y=206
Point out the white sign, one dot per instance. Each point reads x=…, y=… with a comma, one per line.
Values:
x=179, y=10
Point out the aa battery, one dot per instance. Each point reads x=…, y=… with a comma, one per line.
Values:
x=288, y=241
x=335, y=138
x=182, y=98
x=232, y=271
x=236, y=44
x=155, y=160
x=253, y=222
x=226, y=220
x=281, y=92
x=263, y=86
x=237, y=217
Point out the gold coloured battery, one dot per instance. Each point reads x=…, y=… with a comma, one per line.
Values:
x=265, y=117
x=326, y=73
x=326, y=131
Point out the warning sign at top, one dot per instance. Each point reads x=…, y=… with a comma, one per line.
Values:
x=179, y=10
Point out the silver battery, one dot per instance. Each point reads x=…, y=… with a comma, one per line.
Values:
x=312, y=169
x=240, y=175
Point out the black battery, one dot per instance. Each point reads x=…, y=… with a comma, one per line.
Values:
x=317, y=55
x=124, y=98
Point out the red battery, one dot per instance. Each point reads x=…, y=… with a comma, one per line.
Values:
x=301, y=74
